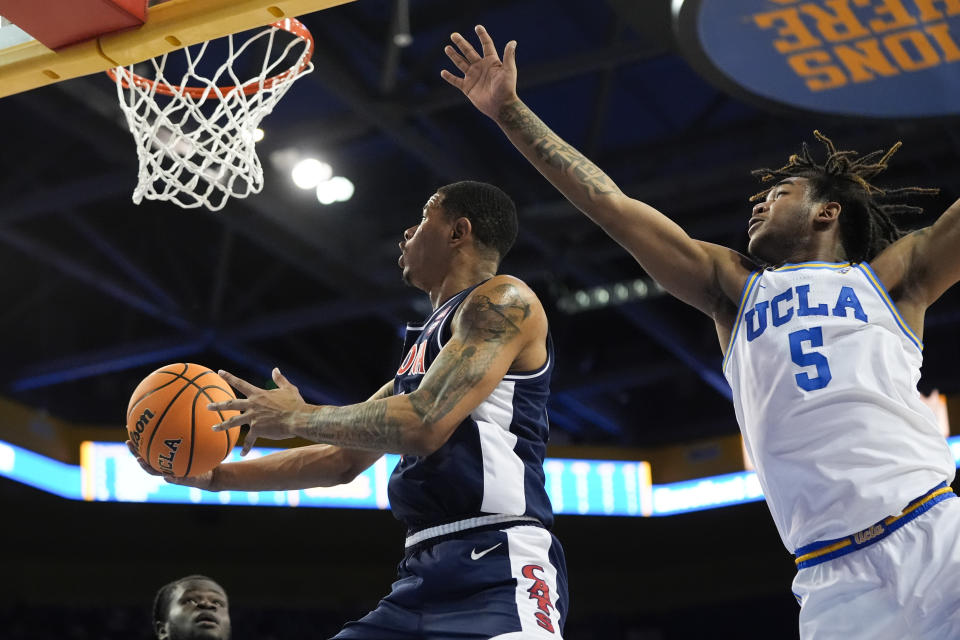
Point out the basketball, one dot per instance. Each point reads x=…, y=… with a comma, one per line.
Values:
x=170, y=425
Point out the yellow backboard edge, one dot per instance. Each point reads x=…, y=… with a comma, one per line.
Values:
x=170, y=26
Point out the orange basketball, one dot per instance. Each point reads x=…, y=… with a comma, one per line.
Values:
x=170, y=425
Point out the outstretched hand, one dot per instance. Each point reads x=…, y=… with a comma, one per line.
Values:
x=268, y=412
x=487, y=82
x=200, y=481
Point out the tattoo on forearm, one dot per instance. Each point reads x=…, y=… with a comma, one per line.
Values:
x=360, y=426
x=517, y=117
x=458, y=372
x=488, y=323
x=549, y=147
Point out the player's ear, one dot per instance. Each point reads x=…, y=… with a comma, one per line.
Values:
x=829, y=211
x=161, y=630
x=460, y=229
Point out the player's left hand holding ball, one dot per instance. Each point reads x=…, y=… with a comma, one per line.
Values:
x=269, y=412
x=200, y=481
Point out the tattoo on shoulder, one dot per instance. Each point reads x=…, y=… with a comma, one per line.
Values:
x=554, y=151
x=497, y=318
x=493, y=318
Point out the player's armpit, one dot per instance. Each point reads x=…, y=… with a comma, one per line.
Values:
x=920, y=267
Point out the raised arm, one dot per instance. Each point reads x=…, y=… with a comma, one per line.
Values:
x=497, y=322
x=918, y=268
x=704, y=275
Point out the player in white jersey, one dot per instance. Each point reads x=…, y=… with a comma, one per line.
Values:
x=821, y=330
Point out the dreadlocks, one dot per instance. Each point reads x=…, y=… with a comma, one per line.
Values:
x=866, y=223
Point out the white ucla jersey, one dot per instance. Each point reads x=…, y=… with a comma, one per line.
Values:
x=824, y=374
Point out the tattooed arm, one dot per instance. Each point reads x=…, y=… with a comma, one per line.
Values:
x=704, y=275
x=318, y=465
x=500, y=322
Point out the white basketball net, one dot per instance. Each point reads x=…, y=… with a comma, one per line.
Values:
x=197, y=146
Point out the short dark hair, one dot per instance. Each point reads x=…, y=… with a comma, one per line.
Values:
x=164, y=597
x=867, y=224
x=491, y=212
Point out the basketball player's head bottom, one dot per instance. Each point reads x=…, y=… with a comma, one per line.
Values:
x=191, y=608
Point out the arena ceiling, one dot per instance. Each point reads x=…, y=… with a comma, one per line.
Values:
x=97, y=292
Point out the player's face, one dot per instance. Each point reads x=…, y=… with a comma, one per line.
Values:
x=198, y=611
x=422, y=247
x=781, y=224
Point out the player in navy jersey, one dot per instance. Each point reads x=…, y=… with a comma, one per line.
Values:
x=467, y=409
x=821, y=329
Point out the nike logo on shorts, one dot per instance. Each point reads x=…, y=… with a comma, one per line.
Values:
x=476, y=556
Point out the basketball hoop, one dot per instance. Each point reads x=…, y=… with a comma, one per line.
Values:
x=196, y=136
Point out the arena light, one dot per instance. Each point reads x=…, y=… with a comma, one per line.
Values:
x=258, y=134
x=310, y=172
x=336, y=189
x=609, y=295
x=108, y=473
x=401, y=24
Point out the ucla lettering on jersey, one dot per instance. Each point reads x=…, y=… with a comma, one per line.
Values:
x=493, y=462
x=824, y=374
x=780, y=309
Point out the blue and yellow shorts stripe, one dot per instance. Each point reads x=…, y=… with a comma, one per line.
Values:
x=818, y=552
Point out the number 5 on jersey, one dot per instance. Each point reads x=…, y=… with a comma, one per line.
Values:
x=801, y=358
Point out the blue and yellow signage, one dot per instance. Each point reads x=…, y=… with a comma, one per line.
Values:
x=871, y=58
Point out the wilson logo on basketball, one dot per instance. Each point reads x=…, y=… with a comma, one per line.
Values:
x=539, y=591
x=165, y=462
x=142, y=423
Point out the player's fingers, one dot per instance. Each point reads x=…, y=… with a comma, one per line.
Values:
x=239, y=384
x=486, y=42
x=510, y=55
x=466, y=49
x=452, y=79
x=143, y=463
x=281, y=380
x=230, y=423
x=201, y=481
x=247, y=444
x=237, y=404
x=456, y=58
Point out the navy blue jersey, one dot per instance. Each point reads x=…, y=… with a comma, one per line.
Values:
x=493, y=461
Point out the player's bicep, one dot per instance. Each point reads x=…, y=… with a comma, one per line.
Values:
x=687, y=269
x=934, y=260
x=918, y=268
x=490, y=330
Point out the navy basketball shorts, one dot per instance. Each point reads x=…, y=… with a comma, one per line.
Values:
x=503, y=584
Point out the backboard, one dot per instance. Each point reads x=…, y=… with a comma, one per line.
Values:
x=27, y=64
